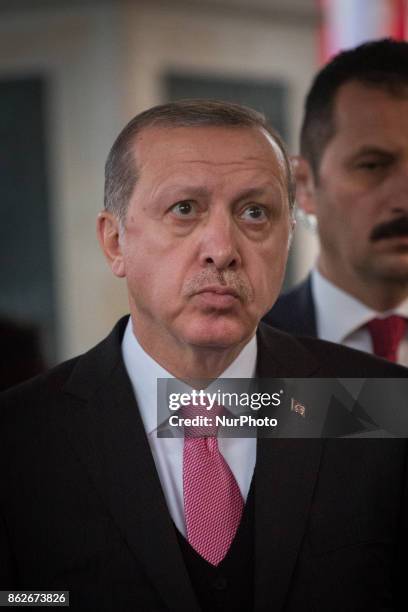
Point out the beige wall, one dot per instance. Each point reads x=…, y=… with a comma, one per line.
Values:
x=77, y=51
x=105, y=64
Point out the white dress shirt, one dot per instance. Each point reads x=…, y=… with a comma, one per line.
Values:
x=340, y=317
x=240, y=453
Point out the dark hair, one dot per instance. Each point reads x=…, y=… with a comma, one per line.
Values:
x=121, y=167
x=382, y=64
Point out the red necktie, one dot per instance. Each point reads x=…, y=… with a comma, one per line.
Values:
x=213, y=503
x=386, y=335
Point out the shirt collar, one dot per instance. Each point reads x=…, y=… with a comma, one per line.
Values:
x=331, y=300
x=144, y=371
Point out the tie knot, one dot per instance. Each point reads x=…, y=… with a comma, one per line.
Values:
x=200, y=419
x=386, y=335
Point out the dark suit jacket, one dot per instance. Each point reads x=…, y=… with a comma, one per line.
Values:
x=82, y=509
x=294, y=312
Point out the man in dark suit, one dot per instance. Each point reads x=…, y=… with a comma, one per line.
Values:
x=352, y=174
x=198, y=204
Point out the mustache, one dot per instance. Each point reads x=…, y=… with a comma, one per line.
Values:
x=228, y=279
x=397, y=227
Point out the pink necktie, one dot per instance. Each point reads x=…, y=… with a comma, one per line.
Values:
x=213, y=503
x=386, y=335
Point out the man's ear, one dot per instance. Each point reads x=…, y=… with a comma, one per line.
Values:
x=108, y=232
x=305, y=185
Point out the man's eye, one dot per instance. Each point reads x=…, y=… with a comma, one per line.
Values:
x=184, y=209
x=254, y=213
x=373, y=164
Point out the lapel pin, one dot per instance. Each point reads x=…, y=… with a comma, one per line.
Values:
x=298, y=407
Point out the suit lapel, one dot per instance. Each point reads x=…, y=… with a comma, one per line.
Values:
x=108, y=436
x=285, y=477
x=294, y=312
x=307, y=311
x=280, y=355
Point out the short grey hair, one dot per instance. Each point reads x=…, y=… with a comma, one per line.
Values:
x=121, y=167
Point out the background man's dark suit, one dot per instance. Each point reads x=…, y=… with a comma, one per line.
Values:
x=294, y=312
x=82, y=507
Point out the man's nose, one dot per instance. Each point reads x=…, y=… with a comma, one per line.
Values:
x=399, y=196
x=219, y=243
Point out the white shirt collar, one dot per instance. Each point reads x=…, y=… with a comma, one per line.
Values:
x=144, y=371
x=338, y=314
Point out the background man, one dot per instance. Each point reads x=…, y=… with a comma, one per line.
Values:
x=197, y=219
x=353, y=175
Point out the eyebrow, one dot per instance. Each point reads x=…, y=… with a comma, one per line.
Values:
x=372, y=150
x=189, y=191
x=256, y=192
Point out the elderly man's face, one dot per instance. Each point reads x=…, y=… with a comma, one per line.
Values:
x=206, y=235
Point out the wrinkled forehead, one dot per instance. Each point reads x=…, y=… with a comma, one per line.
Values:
x=217, y=145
